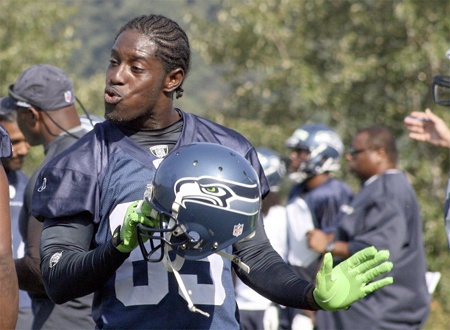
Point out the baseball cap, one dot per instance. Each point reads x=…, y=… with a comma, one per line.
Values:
x=7, y=105
x=43, y=86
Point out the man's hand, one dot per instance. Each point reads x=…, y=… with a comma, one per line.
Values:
x=339, y=287
x=137, y=212
x=426, y=126
x=271, y=318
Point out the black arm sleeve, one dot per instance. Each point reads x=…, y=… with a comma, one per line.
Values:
x=269, y=275
x=28, y=267
x=69, y=269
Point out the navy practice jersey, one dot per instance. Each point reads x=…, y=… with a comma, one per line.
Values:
x=324, y=201
x=101, y=175
x=5, y=144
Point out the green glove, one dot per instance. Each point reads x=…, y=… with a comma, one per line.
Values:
x=137, y=212
x=339, y=287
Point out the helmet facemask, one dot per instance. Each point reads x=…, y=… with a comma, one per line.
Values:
x=156, y=237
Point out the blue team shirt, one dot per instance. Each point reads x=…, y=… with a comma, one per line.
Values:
x=324, y=202
x=5, y=143
x=102, y=174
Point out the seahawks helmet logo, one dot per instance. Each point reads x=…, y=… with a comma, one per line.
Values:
x=223, y=194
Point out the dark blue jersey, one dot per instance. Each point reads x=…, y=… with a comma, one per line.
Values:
x=324, y=201
x=5, y=144
x=101, y=175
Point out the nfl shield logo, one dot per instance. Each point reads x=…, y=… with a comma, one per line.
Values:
x=238, y=229
x=160, y=151
x=68, y=96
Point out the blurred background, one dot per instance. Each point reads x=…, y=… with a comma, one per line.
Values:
x=265, y=68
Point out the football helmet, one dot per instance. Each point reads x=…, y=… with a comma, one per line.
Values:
x=207, y=197
x=324, y=146
x=273, y=165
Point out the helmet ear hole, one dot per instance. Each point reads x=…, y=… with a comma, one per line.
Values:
x=198, y=238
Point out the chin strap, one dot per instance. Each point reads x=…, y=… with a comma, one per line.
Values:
x=236, y=260
x=174, y=267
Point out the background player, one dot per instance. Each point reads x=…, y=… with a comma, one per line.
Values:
x=313, y=202
x=385, y=214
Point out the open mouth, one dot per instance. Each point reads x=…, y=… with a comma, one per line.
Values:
x=111, y=96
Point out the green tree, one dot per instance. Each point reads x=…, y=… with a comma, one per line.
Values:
x=33, y=32
x=297, y=61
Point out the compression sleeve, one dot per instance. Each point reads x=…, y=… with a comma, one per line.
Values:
x=28, y=267
x=266, y=266
x=69, y=268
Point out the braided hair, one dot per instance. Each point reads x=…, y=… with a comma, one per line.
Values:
x=172, y=42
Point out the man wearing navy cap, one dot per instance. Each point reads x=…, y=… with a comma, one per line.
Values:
x=44, y=99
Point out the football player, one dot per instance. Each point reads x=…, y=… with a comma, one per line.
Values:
x=314, y=200
x=91, y=199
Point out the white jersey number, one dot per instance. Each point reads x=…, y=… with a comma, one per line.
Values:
x=155, y=286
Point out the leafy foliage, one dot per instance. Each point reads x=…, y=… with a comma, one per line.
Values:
x=33, y=32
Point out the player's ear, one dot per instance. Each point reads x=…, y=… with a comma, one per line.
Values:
x=30, y=116
x=174, y=80
x=380, y=155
